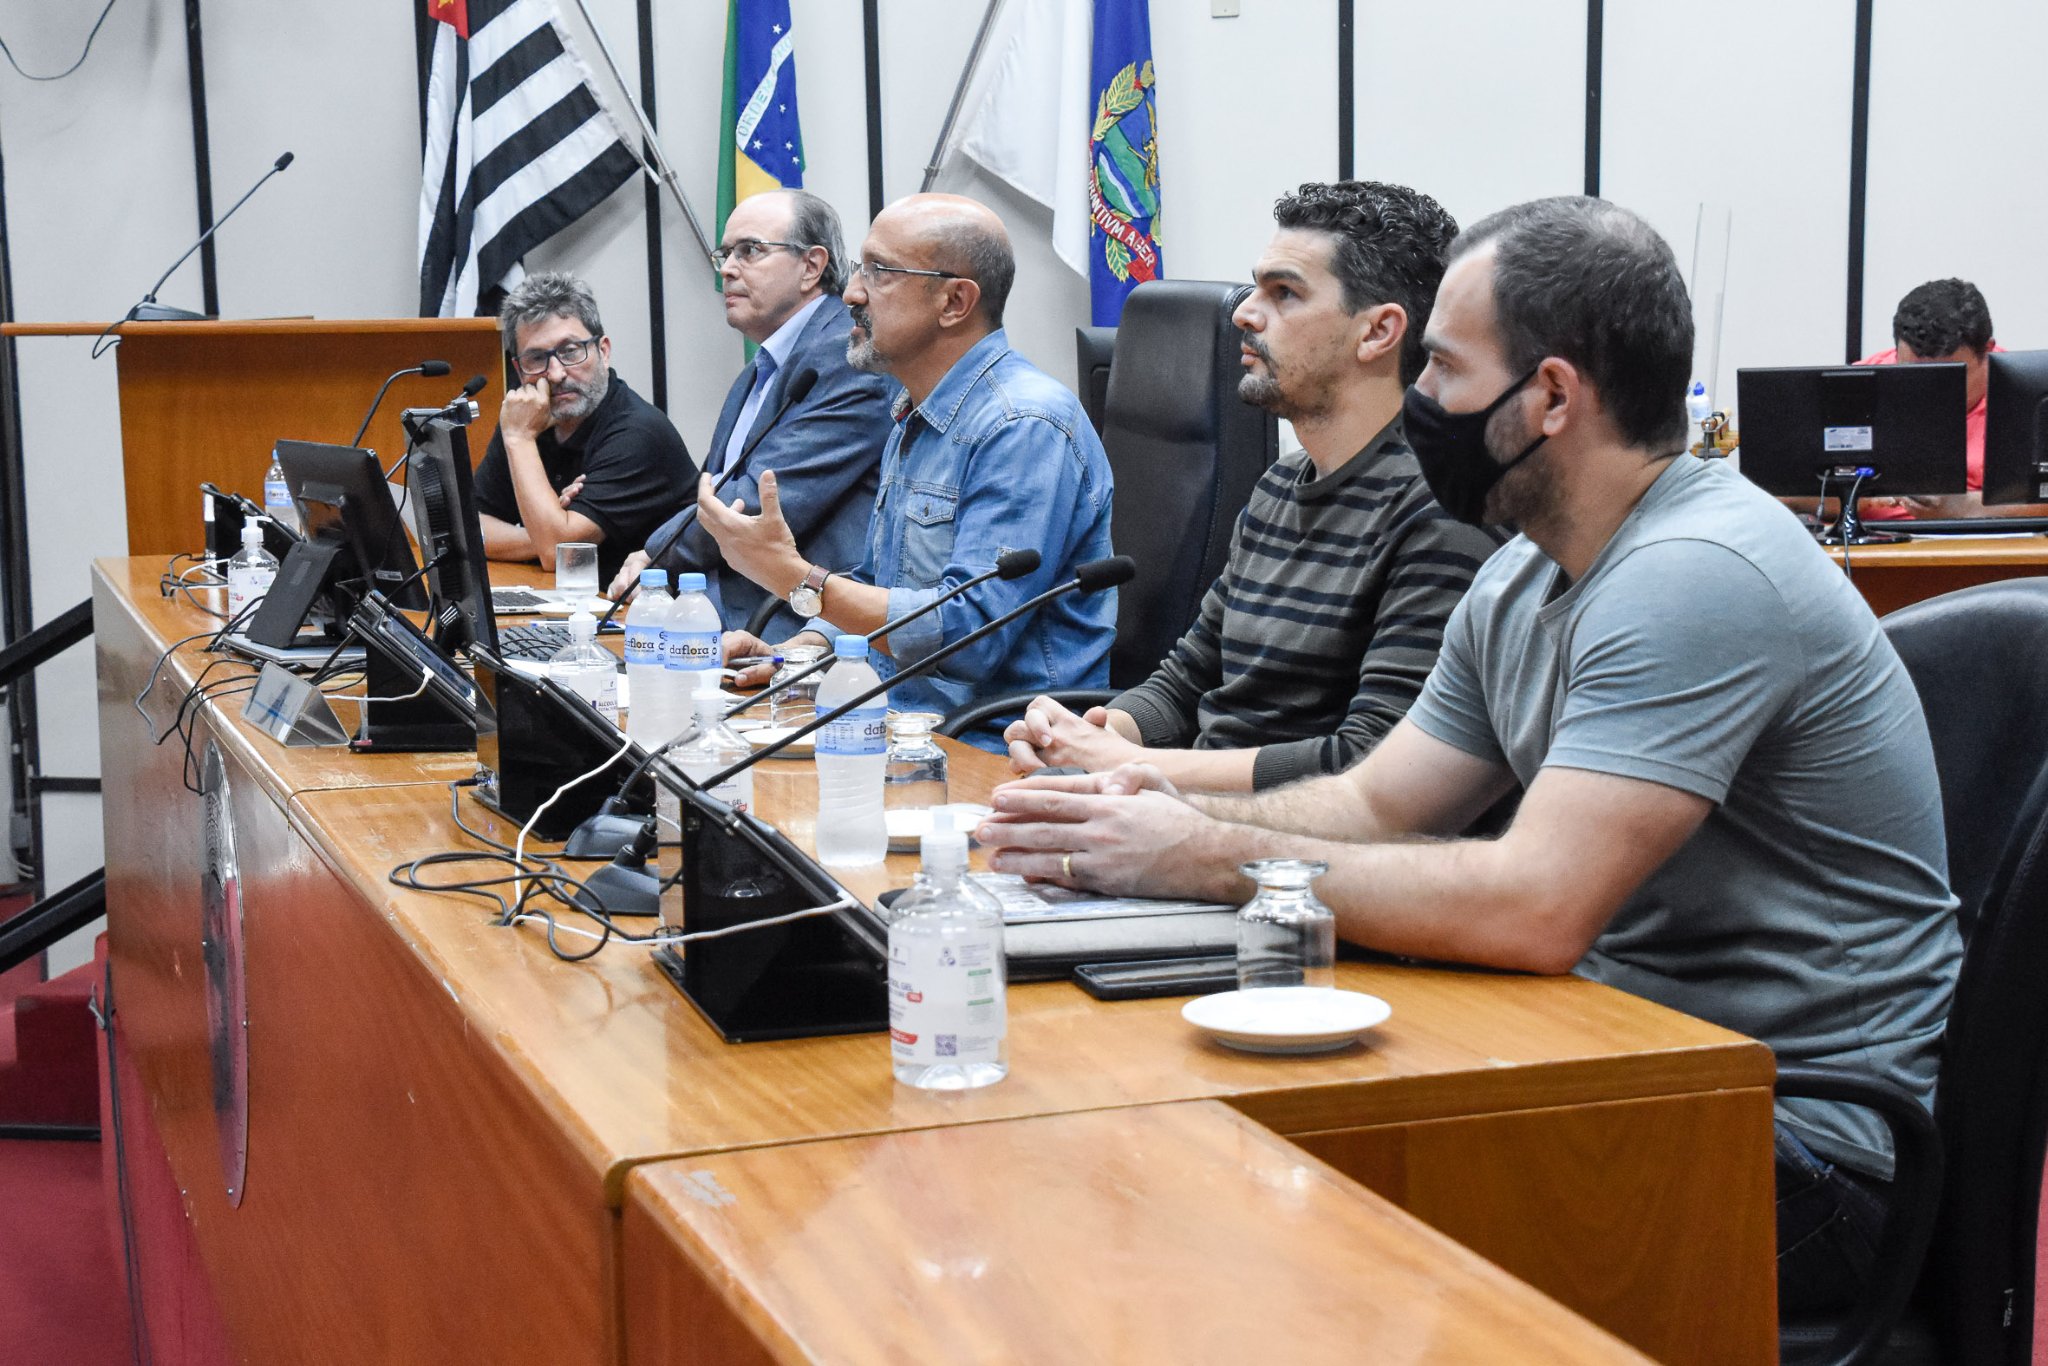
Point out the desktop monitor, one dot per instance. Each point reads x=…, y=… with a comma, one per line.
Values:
x=444, y=519
x=2016, y=428
x=354, y=542
x=1900, y=425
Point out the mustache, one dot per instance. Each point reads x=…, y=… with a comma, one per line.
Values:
x=860, y=318
x=1256, y=347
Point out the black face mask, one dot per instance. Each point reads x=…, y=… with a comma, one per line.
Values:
x=1451, y=448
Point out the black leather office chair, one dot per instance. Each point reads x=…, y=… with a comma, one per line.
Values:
x=1186, y=453
x=1968, y=1239
x=1094, y=351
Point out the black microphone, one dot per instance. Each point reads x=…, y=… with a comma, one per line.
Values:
x=1011, y=564
x=149, y=310
x=1091, y=577
x=799, y=386
x=429, y=368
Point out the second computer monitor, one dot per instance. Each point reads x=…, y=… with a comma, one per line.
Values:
x=1902, y=422
x=2016, y=428
x=444, y=518
x=341, y=490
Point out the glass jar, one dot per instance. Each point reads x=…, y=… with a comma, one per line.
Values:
x=1285, y=937
x=800, y=703
x=915, y=778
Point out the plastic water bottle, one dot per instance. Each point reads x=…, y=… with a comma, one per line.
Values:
x=250, y=572
x=690, y=640
x=587, y=669
x=277, y=497
x=853, y=753
x=1698, y=408
x=948, y=1019
x=715, y=748
x=652, y=716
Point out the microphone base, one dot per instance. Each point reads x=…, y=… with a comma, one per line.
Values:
x=602, y=836
x=622, y=891
x=153, y=312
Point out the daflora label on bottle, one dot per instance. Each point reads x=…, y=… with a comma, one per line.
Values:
x=861, y=732
x=946, y=999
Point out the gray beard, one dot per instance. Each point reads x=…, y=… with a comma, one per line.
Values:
x=586, y=402
x=862, y=355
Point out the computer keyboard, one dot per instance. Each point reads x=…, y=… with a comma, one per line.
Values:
x=540, y=641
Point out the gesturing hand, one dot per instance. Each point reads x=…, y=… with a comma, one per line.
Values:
x=761, y=547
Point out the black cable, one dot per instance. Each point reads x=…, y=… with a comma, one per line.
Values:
x=83, y=54
x=131, y=1260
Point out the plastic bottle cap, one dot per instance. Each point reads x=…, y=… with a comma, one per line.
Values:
x=654, y=578
x=252, y=533
x=582, y=628
x=943, y=848
x=850, y=647
x=1699, y=389
x=689, y=583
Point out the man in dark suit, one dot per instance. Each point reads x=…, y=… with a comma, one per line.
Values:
x=798, y=408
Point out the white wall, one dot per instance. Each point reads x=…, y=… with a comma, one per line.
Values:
x=1958, y=142
x=1738, y=104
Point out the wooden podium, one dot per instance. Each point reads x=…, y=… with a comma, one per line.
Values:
x=207, y=400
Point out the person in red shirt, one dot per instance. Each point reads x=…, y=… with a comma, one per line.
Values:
x=1947, y=320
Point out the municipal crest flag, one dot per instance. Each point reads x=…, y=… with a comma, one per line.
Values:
x=1123, y=155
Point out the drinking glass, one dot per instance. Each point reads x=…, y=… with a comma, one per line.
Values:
x=916, y=775
x=800, y=703
x=576, y=570
x=1285, y=937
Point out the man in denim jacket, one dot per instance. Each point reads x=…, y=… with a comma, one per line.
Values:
x=989, y=453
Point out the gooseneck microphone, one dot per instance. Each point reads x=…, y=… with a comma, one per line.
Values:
x=1011, y=564
x=800, y=385
x=1091, y=577
x=148, y=310
x=430, y=368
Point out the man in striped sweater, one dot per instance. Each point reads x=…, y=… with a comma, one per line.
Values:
x=1342, y=569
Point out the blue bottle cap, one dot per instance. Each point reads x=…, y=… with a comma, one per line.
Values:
x=689, y=583
x=654, y=578
x=850, y=647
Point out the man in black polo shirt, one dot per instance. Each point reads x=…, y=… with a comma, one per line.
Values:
x=578, y=456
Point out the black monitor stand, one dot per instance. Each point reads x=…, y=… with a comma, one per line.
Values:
x=416, y=699
x=307, y=574
x=824, y=974
x=1848, y=528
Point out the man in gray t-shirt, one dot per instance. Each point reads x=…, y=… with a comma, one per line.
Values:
x=1731, y=805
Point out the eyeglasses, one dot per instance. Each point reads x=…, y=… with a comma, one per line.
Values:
x=870, y=270
x=569, y=353
x=750, y=250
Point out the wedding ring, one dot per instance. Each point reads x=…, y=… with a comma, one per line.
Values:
x=1067, y=866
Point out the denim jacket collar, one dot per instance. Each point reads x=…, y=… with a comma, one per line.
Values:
x=942, y=404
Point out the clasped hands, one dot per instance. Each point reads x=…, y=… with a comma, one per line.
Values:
x=1049, y=735
x=1125, y=832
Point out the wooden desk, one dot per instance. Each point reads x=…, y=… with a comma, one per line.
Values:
x=796, y=1254
x=1892, y=576
x=444, y=1119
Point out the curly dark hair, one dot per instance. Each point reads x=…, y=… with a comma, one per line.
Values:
x=1391, y=246
x=1941, y=318
x=1592, y=283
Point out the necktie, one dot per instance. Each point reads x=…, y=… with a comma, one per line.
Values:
x=743, y=426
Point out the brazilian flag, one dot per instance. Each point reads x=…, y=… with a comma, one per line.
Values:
x=762, y=147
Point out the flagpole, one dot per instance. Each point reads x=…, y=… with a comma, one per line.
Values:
x=662, y=171
x=988, y=19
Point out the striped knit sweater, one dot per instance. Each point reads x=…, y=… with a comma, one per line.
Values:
x=1325, y=621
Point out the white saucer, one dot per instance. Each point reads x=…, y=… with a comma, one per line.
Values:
x=765, y=736
x=907, y=829
x=1286, y=1019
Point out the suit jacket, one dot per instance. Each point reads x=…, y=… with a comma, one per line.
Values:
x=825, y=448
